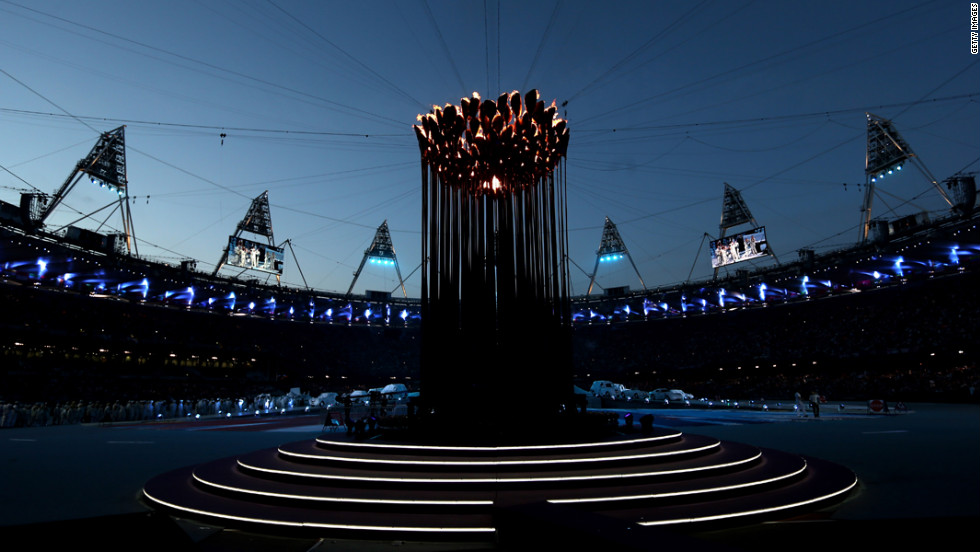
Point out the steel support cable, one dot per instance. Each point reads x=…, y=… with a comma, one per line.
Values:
x=209, y=65
x=349, y=56
x=740, y=70
x=616, y=66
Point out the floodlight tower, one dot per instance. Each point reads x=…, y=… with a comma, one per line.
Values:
x=886, y=154
x=247, y=254
x=105, y=165
x=734, y=212
x=612, y=248
x=381, y=252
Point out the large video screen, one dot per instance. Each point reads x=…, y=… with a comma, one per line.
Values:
x=256, y=256
x=740, y=247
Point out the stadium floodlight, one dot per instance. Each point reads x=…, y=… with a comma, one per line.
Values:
x=887, y=152
x=612, y=248
x=381, y=252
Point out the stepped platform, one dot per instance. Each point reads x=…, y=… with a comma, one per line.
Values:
x=342, y=487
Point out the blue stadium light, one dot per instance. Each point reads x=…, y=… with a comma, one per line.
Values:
x=291, y=311
x=876, y=274
x=762, y=291
x=403, y=314
x=328, y=313
x=42, y=267
x=611, y=257
x=954, y=255
x=898, y=267
x=251, y=305
x=806, y=280
x=721, y=297
x=385, y=261
x=346, y=312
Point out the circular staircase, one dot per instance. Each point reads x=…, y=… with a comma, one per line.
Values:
x=336, y=485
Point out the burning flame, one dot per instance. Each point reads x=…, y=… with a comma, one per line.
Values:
x=494, y=185
x=483, y=144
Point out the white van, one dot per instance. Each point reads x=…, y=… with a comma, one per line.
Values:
x=608, y=389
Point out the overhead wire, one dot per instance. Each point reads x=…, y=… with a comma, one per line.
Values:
x=202, y=63
x=348, y=55
x=653, y=40
x=741, y=69
x=445, y=48
x=541, y=43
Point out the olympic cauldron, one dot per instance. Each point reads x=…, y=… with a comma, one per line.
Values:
x=496, y=334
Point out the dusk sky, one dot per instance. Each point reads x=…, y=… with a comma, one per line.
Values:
x=666, y=101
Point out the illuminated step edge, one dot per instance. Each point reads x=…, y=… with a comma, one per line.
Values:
x=335, y=496
x=457, y=479
x=492, y=450
x=685, y=493
x=500, y=463
x=758, y=511
x=269, y=521
x=823, y=483
x=341, y=499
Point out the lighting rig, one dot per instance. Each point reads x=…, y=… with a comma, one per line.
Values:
x=380, y=253
x=612, y=249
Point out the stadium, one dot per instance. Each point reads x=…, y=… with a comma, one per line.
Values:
x=79, y=297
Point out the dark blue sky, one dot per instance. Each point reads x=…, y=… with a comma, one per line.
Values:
x=666, y=101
